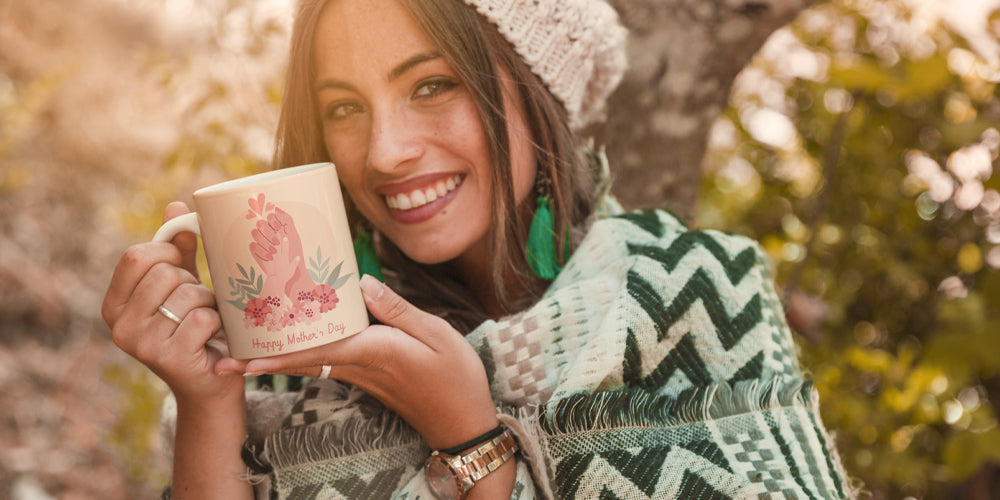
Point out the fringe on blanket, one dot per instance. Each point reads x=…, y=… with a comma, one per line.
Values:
x=636, y=406
x=353, y=435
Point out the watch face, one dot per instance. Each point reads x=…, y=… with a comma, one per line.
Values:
x=441, y=479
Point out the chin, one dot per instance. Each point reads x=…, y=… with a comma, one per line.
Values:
x=429, y=256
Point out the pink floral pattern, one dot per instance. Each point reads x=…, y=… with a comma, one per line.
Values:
x=256, y=312
x=275, y=314
x=326, y=296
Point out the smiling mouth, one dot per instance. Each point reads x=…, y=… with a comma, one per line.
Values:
x=420, y=197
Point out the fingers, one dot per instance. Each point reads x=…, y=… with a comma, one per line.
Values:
x=185, y=241
x=139, y=328
x=134, y=264
x=260, y=253
x=196, y=329
x=280, y=218
x=368, y=351
x=227, y=365
x=265, y=234
x=389, y=308
x=140, y=313
x=188, y=297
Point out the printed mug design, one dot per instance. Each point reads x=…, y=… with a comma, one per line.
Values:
x=287, y=291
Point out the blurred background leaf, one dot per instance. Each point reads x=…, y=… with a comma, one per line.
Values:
x=860, y=147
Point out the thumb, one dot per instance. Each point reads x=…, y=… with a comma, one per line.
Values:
x=391, y=309
x=185, y=241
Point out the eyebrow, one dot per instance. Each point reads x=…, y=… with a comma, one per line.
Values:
x=408, y=64
x=395, y=73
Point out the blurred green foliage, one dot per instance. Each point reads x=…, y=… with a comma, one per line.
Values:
x=135, y=437
x=900, y=264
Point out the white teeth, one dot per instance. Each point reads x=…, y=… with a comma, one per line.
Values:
x=418, y=198
x=403, y=201
x=421, y=197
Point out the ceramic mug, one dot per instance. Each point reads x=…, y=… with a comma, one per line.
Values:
x=280, y=257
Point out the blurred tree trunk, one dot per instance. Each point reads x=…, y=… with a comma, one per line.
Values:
x=683, y=58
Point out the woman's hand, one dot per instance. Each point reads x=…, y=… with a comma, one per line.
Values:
x=277, y=249
x=416, y=364
x=151, y=274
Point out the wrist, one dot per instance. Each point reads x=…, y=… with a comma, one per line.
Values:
x=457, y=434
x=230, y=404
x=452, y=476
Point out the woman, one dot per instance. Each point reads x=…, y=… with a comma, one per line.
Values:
x=654, y=362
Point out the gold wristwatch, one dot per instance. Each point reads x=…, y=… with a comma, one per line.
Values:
x=451, y=476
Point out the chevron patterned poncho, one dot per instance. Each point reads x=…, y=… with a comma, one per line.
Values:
x=658, y=365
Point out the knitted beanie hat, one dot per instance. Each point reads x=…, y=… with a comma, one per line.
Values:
x=576, y=47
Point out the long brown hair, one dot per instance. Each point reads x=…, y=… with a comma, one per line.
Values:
x=477, y=52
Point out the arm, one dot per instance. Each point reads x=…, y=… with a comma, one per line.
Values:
x=207, y=461
x=211, y=412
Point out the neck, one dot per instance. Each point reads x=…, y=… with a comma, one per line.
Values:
x=476, y=269
x=477, y=273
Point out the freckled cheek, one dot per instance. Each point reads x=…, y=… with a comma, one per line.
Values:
x=350, y=171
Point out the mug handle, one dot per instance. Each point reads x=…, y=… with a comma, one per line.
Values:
x=181, y=223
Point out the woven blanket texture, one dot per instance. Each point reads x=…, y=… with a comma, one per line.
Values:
x=657, y=365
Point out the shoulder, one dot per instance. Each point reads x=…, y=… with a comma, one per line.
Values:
x=662, y=236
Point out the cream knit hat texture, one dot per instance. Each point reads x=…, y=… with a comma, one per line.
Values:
x=576, y=47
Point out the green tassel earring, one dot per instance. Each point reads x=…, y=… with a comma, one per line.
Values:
x=542, y=242
x=364, y=251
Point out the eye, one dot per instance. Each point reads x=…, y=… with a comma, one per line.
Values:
x=342, y=109
x=434, y=87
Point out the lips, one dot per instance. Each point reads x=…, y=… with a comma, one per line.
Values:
x=417, y=198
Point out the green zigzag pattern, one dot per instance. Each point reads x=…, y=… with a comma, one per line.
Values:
x=700, y=286
x=642, y=469
x=647, y=220
x=684, y=356
x=569, y=471
x=694, y=487
x=736, y=267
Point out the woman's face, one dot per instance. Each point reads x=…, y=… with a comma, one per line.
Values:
x=405, y=135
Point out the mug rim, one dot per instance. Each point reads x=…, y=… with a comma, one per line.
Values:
x=240, y=183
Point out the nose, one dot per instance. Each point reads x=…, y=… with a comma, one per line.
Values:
x=395, y=139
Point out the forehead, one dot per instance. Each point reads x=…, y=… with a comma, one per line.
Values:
x=364, y=36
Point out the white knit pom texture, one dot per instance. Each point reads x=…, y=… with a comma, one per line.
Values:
x=576, y=47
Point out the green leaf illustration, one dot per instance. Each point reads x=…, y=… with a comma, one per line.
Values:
x=318, y=267
x=242, y=271
x=339, y=283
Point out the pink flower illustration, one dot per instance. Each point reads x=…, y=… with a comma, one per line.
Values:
x=290, y=315
x=310, y=311
x=275, y=302
x=256, y=312
x=326, y=296
x=274, y=322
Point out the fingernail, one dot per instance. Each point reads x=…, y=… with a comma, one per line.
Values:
x=251, y=374
x=372, y=287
